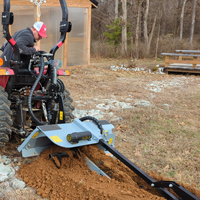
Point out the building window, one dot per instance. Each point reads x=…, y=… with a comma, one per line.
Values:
x=77, y=38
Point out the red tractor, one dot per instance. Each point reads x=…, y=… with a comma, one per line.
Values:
x=30, y=92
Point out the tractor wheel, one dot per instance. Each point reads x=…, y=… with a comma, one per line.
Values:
x=5, y=118
x=68, y=108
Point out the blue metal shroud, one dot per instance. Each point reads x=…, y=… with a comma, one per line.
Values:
x=44, y=136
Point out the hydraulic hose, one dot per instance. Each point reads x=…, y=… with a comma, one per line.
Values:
x=49, y=103
x=96, y=121
x=31, y=94
x=61, y=85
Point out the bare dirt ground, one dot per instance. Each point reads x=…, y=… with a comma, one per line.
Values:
x=162, y=138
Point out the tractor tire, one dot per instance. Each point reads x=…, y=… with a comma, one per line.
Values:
x=68, y=108
x=5, y=118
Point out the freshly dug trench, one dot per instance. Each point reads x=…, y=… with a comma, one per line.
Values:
x=75, y=181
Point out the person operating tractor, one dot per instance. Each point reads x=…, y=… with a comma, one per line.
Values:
x=25, y=40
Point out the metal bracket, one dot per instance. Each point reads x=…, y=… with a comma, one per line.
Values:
x=38, y=3
x=179, y=190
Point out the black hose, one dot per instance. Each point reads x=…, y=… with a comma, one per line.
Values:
x=61, y=85
x=31, y=94
x=49, y=108
x=49, y=103
x=96, y=121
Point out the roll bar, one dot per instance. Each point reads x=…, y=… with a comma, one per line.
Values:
x=7, y=19
x=65, y=27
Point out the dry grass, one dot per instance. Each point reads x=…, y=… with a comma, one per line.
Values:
x=163, y=137
x=167, y=43
x=165, y=141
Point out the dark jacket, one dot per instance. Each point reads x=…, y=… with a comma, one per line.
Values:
x=25, y=41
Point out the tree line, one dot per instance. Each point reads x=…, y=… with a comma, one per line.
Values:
x=145, y=28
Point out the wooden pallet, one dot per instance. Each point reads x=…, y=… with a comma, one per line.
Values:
x=184, y=61
x=180, y=69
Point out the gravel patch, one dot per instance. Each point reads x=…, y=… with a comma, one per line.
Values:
x=8, y=180
x=105, y=108
x=159, y=86
x=136, y=69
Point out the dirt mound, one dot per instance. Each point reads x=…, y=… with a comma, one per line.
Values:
x=75, y=181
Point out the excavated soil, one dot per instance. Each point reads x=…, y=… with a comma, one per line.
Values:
x=74, y=180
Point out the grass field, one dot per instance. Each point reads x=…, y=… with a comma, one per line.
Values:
x=163, y=137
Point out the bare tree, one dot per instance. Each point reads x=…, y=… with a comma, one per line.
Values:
x=151, y=34
x=193, y=23
x=148, y=27
x=148, y=38
x=181, y=20
x=163, y=20
x=176, y=17
x=145, y=23
x=137, y=36
x=116, y=8
x=124, y=27
x=160, y=11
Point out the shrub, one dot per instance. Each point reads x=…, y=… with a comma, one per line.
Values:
x=114, y=32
